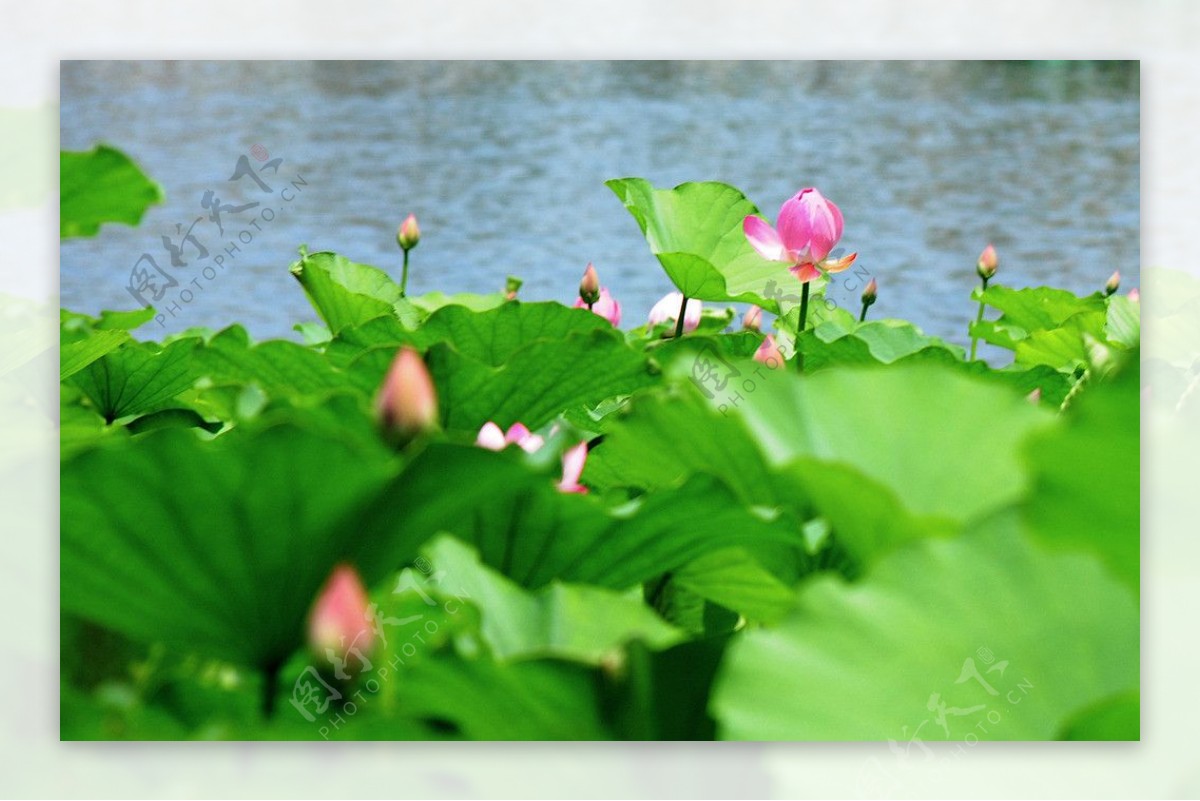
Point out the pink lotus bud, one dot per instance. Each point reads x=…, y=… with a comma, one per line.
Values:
x=511, y=286
x=573, y=460
x=667, y=310
x=339, y=618
x=805, y=232
x=753, y=319
x=1135, y=296
x=409, y=234
x=589, y=287
x=870, y=293
x=606, y=306
x=768, y=353
x=987, y=264
x=407, y=403
x=1035, y=397
x=1113, y=283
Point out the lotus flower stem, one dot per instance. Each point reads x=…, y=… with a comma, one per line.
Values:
x=978, y=321
x=803, y=307
x=404, y=276
x=679, y=321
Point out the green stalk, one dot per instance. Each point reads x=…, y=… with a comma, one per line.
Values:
x=978, y=320
x=862, y=318
x=679, y=322
x=803, y=322
x=404, y=275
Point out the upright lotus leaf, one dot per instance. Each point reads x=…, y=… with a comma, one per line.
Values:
x=218, y=547
x=521, y=525
x=695, y=231
x=138, y=378
x=866, y=444
x=566, y=621
x=1086, y=477
x=98, y=186
x=1123, y=325
x=494, y=335
x=983, y=635
x=666, y=435
x=840, y=342
x=346, y=293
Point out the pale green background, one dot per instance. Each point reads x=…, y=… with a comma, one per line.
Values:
x=36, y=36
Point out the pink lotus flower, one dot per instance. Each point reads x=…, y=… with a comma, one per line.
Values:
x=606, y=306
x=667, y=309
x=753, y=319
x=573, y=461
x=768, y=353
x=806, y=231
x=492, y=438
x=339, y=618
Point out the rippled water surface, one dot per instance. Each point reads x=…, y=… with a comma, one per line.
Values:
x=505, y=163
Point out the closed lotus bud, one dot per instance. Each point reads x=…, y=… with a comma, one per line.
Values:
x=1135, y=296
x=753, y=319
x=768, y=353
x=589, y=286
x=1114, y=283
x=407, y=403
x=339, y=620
x=870, y=293
x=409, y=234
x=987, y=264
x=511, y=287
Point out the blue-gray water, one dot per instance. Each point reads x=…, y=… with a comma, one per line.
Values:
x=504, y=164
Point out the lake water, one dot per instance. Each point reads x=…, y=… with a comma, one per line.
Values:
x=504, y=164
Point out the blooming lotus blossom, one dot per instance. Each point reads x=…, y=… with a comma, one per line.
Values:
x=339, y=619
x=573, y=461
x=667, y=309
x=407, y=403
x=805, y=232
x=768, y=353
x=606, y=306
x=492, y=438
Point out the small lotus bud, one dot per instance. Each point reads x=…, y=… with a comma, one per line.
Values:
x=987, y=264
x=753, y=319
x=511, y=287
x=407, y=403
x=1135, y=296
x=339, y=620
x=768, y=353
x=589, y=286
x=1035, y=397
x=1114, y=283
x=409, y=234
x=870, y=293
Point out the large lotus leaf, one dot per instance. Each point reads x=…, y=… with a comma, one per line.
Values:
x=137, y=378
x=74, y=356
x=834, y=342
x=942, y=446
x=984, y=635
x=215, y=547
x=695, y=231
x=99, y=186
x=524, y=527
x=1086, y=476
x=346, y=293
x=1039, y=308
x=278, y=367
x=494, y=335
x=664, y=436
x=567, y=621
x=1123, y=325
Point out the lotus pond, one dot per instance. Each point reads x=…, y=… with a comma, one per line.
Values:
x=755, y=515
